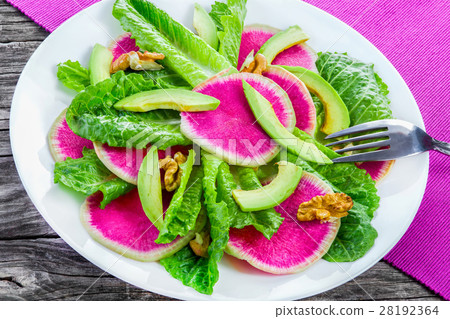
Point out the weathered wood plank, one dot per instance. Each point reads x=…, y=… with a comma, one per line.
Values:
x=5, y=147
x=4, y=124
x=16, y=27
x=18, y=216
x=48, y=269
x=13, y=57
x=8, y=83
x=4, y=112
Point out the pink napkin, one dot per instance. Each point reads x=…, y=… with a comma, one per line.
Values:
x=414, y=36
x=50, y=14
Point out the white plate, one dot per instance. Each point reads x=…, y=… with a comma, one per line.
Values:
x=39, y=98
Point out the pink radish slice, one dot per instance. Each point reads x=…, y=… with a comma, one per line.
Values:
x=123, y=44
x=303, y=105
x=231, y=131
x=254, y=36
x=125, y=163
x=63, y=142
x=296, y=245
x=124, y=228
x=377, y=170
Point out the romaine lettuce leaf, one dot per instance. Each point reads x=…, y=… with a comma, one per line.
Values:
x=218, y=10
x=356, y=235
x=185, y=205
x=265, y=221
x=164, y=79
x=198, y=272
x=229, y=19
x=361, y=89
x=73, y=75
x=192, y=270
x=91, y=115
x=154, y=30
x=88, y=175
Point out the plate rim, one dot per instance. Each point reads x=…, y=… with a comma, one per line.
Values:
x=174, y=294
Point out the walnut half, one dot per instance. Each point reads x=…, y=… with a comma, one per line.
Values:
x=172, y=171
x=200, y=244
x=327, y=208
x=257, y=66
x=137, y=61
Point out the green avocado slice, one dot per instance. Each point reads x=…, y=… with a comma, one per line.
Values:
x=273, y=194
x=281, y=41
x=205, y=26
x=99, y=64
x=149, y=188
x=169, y=99
x=336, y=112
x=266, y=117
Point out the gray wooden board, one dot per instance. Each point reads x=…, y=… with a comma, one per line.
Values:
x=35, y=264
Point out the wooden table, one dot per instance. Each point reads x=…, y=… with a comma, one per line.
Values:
x=35, y=264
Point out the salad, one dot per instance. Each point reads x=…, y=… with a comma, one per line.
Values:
x=192, y=144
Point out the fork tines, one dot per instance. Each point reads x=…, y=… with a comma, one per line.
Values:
x=362, y=128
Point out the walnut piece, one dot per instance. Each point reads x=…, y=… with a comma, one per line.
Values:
x=200, y=244
x=257, y=66
x=137, y=61
x=172, y=171
x=327, y=208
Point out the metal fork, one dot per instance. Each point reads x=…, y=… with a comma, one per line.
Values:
x=400, y=139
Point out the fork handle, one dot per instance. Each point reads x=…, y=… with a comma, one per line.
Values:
x=441, y=147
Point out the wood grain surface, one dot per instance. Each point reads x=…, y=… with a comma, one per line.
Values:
x=35, y=264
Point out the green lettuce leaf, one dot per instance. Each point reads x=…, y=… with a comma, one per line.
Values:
x=164, y=79
x=361, y=89
x=73, y=75
x=265, y=221
x=185, y=205
x=191, y=270
x=91, y=115
x=229, y=19
x=88, y=175
x=198, y=272
x=356, y=235
x=218, y=10
x=154, y=30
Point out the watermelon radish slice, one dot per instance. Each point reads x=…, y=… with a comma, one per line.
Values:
x=376, y=170
x=231, y=131
x=63, y=142
x=302, y=102
x=124, y=228
x=123, y=44
x=254, y=36
x=296, y=245
x=125, y=164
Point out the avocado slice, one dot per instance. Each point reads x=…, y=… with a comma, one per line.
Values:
x=168, y=99
x=336, y=112
x=149, y=188
x=266, y=117
x=273, y=194
x=205, y=26
x=99, y=64
x=281, y=41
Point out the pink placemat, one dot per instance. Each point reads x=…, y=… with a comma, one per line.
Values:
x=414, y=36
